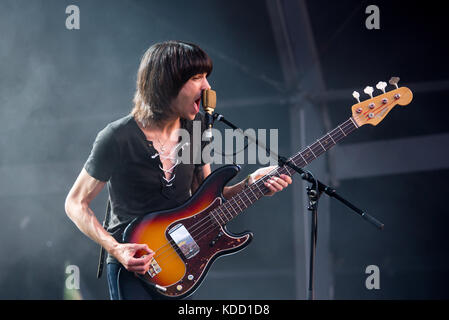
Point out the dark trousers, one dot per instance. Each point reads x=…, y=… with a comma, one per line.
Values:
x=129, y=287
x=124, y=285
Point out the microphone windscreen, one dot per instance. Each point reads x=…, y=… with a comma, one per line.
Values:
x=209, y=100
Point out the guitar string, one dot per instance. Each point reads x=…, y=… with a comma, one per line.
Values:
x=210, y=228
x=229, y=203
x=236, y=202
x=277, y=169
x=235, y=205
x=213, y=225
x=209, y=218
x=311, y=147
x=338, y=136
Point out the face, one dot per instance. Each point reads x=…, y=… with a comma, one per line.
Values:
x=187, y=104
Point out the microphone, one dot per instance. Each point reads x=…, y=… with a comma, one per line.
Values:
x=209, y=101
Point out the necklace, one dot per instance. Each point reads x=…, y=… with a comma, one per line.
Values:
x=162, y=145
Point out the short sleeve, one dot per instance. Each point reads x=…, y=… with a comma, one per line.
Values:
x=104, y=156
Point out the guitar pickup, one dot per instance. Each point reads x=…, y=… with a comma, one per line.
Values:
x=154, y=268
x=184, y=241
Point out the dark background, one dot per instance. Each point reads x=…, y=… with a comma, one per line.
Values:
x=59, y=87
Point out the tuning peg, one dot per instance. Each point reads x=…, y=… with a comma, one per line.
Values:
x=369, y=91
x=381, y=86
x=394, y=81
x=356, y=96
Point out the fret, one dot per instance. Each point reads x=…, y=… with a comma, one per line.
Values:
x=244, y=192
x=238, y=202
x=355, y=124
x=228, y=213
x=321, y=145
x=213, y=215
x=251, y=189
x=296, y=164
x=289, y=170
x=319, y=149
x=285, y=169
x=307, y=156
x=230, y=204
x=303, y=158
x=241, y=199
x=349, y=126
x=257, y=185
x=222, y=217
x=342, y=131
x=331, y=138
x=224, y=213
x=264, y=188
x=337, y=135
x=312, y=152
x=324, y=142
x=217, y=210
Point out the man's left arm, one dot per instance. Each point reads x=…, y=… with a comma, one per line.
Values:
x=275, y=184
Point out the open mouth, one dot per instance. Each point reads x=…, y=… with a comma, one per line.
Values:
x=197, y=105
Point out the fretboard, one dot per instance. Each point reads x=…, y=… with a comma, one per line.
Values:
x=242, y=200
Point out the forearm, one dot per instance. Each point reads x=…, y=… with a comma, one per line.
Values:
x=229, y=192
x=84, y=218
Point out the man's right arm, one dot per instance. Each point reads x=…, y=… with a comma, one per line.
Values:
x=84, y=190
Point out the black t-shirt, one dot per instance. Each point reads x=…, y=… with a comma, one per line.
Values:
x=122, y=156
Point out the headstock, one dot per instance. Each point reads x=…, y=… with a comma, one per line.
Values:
x=375, y=109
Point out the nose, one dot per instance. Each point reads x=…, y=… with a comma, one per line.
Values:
x=206, y=85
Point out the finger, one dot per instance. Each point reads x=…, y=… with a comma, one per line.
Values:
x=287, y=178
x=270, y=186
x=144, y=247
x=142, y=251
x=281, y=181
x=277, y=186
x=263, y=171
x=138, y=262
x=139, y=270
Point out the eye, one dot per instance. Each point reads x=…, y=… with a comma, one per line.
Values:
x=198, y=76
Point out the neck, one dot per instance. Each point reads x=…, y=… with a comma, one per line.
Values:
x=163, y=127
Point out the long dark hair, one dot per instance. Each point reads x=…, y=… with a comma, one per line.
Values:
x=164, y=69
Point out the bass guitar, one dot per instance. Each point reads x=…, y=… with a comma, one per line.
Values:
x=188, y=239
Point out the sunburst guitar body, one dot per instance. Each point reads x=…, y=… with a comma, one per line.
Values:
x=186, y=240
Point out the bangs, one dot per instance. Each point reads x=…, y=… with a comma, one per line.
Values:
x=192, y=60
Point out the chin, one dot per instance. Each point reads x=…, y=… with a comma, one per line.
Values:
x=189, y=116
x=192, y=116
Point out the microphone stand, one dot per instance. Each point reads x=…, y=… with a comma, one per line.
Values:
x=314, y=193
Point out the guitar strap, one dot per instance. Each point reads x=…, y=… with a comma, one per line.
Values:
x=102, y=251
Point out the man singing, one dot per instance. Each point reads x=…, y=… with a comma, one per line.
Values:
x=134, y=155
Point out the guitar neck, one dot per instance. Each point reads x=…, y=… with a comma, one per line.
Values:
x=242, y=200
